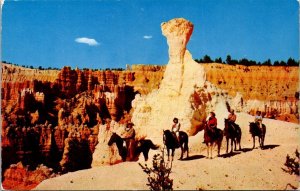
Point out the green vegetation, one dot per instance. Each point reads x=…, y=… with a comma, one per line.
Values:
x=246, y=62
x=292, y=164
x=158, y=174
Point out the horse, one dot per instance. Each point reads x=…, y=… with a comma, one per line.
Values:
x=212, y=137
x=171, y=143
x=142, y=146
x=233, y=133
x=115, y=138
x=259, y=132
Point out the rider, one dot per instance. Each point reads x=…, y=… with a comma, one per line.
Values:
x=212, y=121
x=175, y=129
x=258, y=119
x=128, y=134
x=232, y=118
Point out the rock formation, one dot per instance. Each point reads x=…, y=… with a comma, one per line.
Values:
x=18, y=177
x=182, y=77
x=105, y=155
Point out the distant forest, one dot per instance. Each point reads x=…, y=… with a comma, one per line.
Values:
x=55, y=68
x=246, y=62
x=206, y=59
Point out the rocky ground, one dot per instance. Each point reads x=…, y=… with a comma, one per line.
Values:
x=246, y=169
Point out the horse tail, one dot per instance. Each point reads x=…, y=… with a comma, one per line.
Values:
x=239, y=132
x=153, y=146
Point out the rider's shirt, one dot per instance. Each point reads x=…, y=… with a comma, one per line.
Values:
x=176, y=127
x=232, y=117
x=212, y=122
x=258, y=118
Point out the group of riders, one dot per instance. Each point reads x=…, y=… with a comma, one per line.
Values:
x=129, y=133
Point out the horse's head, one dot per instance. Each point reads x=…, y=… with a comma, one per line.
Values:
x=166, y=134
x=226, y=122
x=112, y=139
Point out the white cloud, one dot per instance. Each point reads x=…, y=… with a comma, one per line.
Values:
x=147, y=37
x=89, y=41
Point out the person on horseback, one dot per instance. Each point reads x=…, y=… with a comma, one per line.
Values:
x=128, y=135
x=175, y=129
x=212, y=121
x=258, y=119
x=232, y=118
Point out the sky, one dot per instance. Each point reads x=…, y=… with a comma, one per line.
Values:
x=112, y=33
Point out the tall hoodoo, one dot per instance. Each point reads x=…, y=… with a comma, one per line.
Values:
x=182, y=77
x=177, y=32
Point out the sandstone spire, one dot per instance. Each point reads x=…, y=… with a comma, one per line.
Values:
x=177, y=32
x=155, y=112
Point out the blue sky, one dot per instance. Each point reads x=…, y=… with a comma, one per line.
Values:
x=113, y=33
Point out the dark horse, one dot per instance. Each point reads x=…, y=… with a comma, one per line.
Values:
x=234, y=133
x=171, y=143
x=141, y=146
x=259, y=132
x=212, y=136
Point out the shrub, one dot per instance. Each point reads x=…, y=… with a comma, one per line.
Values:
x=292, y=164
x=158, y=174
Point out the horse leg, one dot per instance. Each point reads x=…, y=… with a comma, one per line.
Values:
x=259, y=141
x=124, y=155
x=168, y=152
x=235, y=142
x=253, y=137
x=227, y=145
x=219, y=147
x=187, y=150
x=145, y=153
x=211, y=148
x=207, y=146
x=231, y=145
x=181, y=156
x=173, y=154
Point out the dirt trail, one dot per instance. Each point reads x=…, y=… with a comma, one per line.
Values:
x=248, y=169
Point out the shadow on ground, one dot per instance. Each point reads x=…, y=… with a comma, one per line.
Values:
x=245, y=150
x=194, y=157
x=269, y=147
x=228, y=155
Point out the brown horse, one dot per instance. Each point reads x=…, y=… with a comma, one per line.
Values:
x=233, y=132
x=212, y=137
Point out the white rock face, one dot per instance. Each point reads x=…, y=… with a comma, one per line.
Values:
x=155, y=111
x=104, y=154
